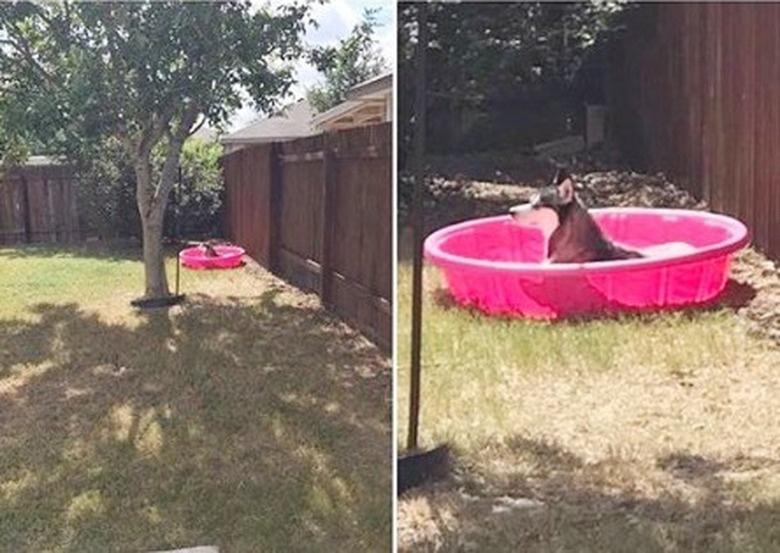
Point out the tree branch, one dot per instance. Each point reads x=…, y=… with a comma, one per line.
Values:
x=22, y=47
x=199, y=126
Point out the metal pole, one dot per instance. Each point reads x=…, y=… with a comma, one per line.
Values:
x=177, y=210
x=178, y=270
x=420, y=106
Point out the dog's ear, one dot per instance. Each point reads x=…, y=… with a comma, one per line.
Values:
x=561, y=175
x=566, y=190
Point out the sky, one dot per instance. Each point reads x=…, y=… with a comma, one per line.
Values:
x=336, y=19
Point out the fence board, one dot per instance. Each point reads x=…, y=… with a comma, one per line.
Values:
x=247, y=207
x=327, y=216
x=699, y=102
x=38, y=204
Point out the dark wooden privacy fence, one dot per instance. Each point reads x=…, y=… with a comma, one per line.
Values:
x=318, y=212
x=700, y=100
x=38, y=204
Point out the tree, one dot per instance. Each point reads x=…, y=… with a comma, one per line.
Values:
x=199, y=192
x=486, y=56
x=354, y=60
x=106, y=199
x=146, y=74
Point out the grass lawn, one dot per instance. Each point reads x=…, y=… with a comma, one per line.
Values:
x=651, y=433
x=246, y=418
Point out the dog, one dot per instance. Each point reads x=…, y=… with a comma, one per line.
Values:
x=208, y=248
x=577, y=237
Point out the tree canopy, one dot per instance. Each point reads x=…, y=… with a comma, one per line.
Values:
x=146, y=74
x=481, y=55
x=355, y=59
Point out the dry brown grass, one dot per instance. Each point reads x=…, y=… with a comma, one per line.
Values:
x=653, y=433
x=247, y=417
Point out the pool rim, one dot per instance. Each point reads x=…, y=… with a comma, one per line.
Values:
x=230, y=260
x=740, y=237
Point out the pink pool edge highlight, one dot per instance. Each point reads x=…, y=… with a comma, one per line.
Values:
x=228, y=257
x=497, y=265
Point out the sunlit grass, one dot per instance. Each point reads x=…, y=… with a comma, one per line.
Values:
x=645, y=433
x=246, y=418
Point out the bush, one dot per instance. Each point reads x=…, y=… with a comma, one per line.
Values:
x=106, y=194
x=194, y=206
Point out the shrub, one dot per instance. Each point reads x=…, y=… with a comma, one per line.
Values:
x=106, y=193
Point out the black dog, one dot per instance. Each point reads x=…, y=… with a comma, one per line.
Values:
x=577, y=238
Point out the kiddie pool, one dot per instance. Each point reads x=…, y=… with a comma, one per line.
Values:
x=227, y=257
x=496, y=264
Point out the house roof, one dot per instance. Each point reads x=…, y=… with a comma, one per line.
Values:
x=293, y=122
x=206, y=134
x=43, y=161
x=365, y=103
x=375, y=87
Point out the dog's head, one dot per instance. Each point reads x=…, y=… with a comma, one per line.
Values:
x=559, y=194
x=554, y=198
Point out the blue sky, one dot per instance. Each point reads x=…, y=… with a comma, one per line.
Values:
x=336, y=19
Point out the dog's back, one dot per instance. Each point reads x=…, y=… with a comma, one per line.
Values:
x=578, y=239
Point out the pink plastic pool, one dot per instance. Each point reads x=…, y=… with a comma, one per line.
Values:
x=496, y=264
x=228, y=257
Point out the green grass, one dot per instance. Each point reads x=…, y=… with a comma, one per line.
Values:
x=47, y=275
x=246, y=418
x=644, y=433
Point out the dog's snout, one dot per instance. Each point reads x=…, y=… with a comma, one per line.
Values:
x=520, y=209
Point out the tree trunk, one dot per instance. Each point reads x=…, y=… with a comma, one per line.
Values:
x=151, y=210
x=152, y=199
x=156, y=280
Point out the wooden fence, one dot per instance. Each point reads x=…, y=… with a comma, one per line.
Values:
x=38, y=204
x=318, y=212
x=699, y=100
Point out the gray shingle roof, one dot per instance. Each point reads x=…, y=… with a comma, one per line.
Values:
x=293, y=122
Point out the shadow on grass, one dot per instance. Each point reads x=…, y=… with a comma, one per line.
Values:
x=254, y=427
x=548, y=499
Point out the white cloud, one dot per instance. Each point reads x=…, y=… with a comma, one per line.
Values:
x=336, y=20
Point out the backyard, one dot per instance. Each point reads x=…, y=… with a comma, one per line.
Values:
x=642, y=433
x=247, y=417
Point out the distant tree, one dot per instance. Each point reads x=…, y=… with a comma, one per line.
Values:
x=146, y=74
x=106, y=198
x=497, y=52
x=199, y=192
x=354, y=60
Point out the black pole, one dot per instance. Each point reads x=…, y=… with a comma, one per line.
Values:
x=177, y=210
x=420, y=106
x=178, y=270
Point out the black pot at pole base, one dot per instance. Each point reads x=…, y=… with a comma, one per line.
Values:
x=155, y=303
x=418, y=468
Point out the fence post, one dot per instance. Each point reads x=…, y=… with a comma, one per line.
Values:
x=276, y=167
x=329, y=183
x=225, y=210
x=26, y=210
